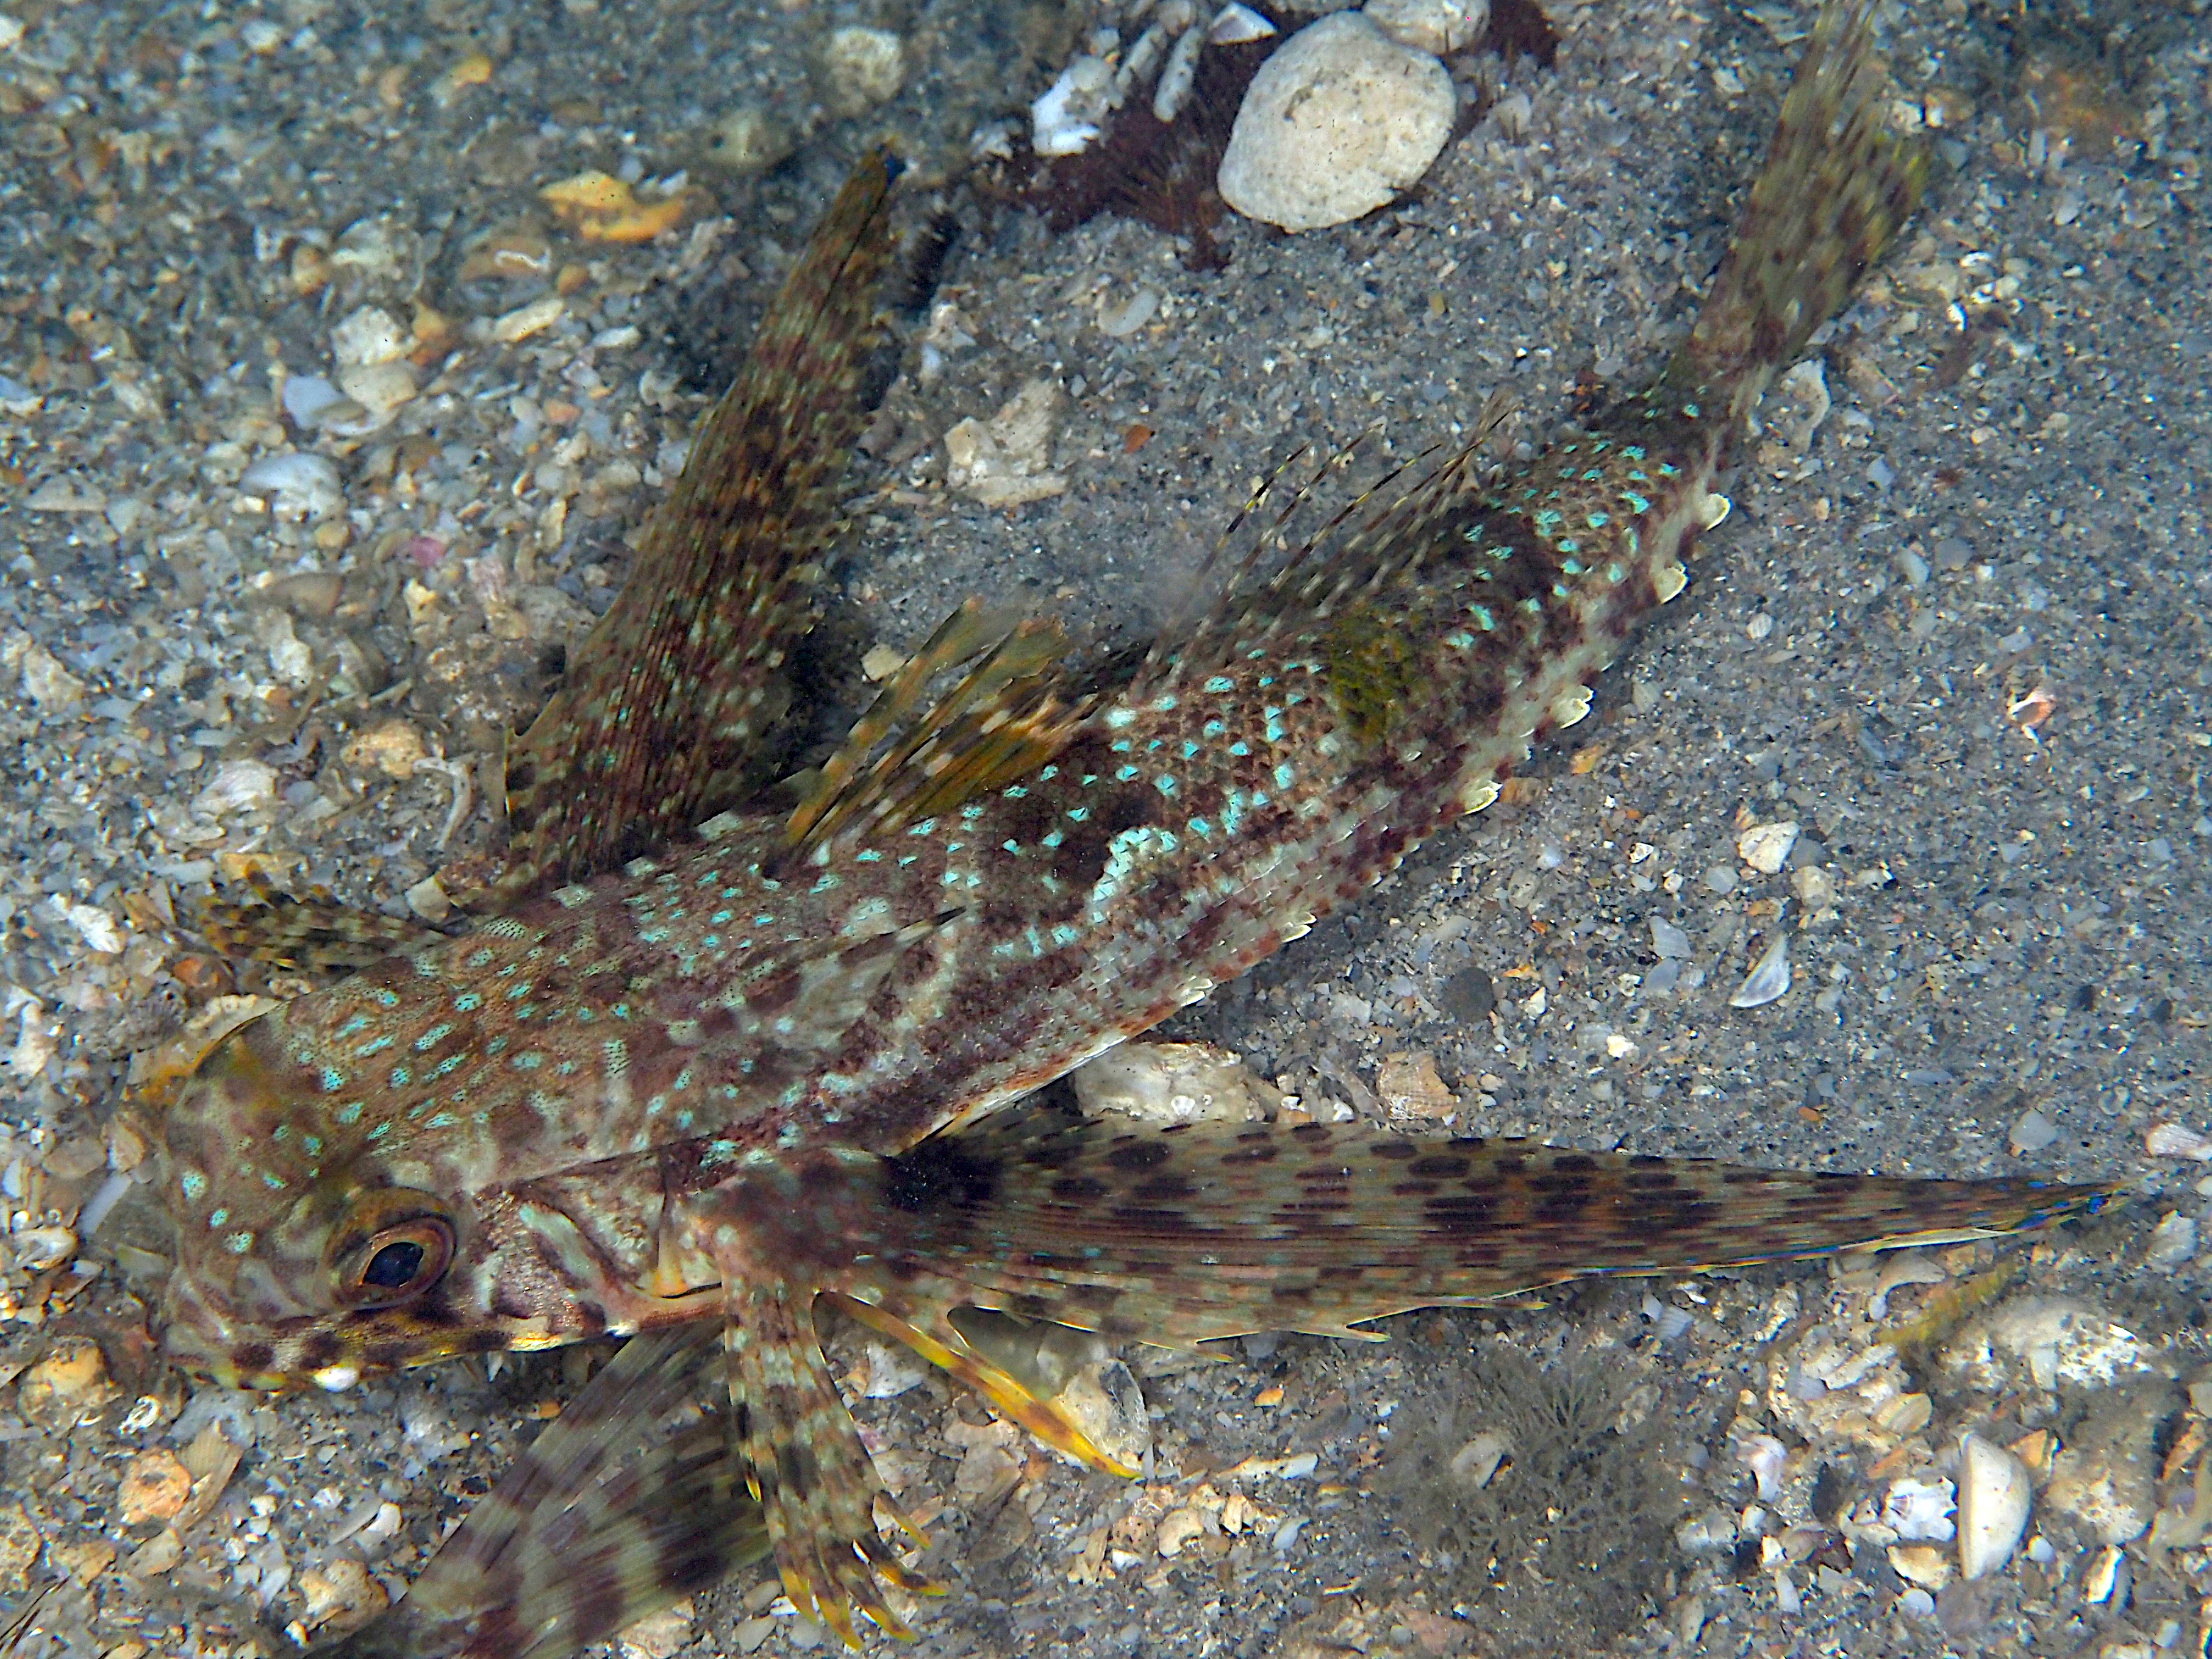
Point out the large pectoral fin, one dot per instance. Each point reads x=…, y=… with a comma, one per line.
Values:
x=631, y=1500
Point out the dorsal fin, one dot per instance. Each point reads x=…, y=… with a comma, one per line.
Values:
x=1008, y=713
x=1372, y=539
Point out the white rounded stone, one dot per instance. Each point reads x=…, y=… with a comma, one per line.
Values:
x=1994, y=1494
x=1436, y=26
x=1339, y=121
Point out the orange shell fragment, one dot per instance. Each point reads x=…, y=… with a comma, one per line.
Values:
x=601, y=208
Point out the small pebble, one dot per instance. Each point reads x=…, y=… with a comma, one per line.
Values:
x=1765, y=847
x=1006, y=461
x=305, y=397
x=1336, y=123
x=153, y=1488
x=1126, y=316
x=1065, y=117
x=391, y=747
x=1667, y=939
x=748, y=140
x=68, y=1383
x=1722, y=879
x=370, y=336
x=296, y=484
x=1441, y=26
x=378, y=388
x=2177, y=1141
x=340, y=1594
x=1917, y=1510
x=526, y=320
x=1922, y=1564
x=2172, y=1242
x=237, y=786
x=861, y=68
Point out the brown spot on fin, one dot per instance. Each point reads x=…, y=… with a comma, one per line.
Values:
x=630, y=1501
x=667, y=706
x=1011, y=710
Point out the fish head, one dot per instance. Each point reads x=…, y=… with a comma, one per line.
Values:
x=304, y=1241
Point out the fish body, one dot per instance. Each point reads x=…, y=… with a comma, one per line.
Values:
x=696, y=1094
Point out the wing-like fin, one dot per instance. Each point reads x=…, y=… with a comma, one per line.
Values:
x=1187, y=1235
x=904, y=760
x=811, y=1473
x=666, y=711
x=951, y=1351
x=602, y=1521
x=1190, y=1234
x=311, y=934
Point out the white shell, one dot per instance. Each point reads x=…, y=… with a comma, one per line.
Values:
x=1918, y=1509
x=1060, y=123
x=1178, y=77
x=1768, y=979
x=1233, y=25
x=1994, y=1496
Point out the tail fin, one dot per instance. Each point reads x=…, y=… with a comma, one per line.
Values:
x=1835, y=189
x=1219, y=1230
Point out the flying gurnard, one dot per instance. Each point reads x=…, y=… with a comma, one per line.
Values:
x=694, y=1083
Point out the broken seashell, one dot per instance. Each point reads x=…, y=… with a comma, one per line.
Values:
x=1994, y=1496
x=1769, y=978
x=1917, y=1508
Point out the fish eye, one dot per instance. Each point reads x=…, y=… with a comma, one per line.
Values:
x=391, y=1252
x=397, y=1264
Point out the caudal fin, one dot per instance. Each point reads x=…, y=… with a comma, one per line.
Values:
x=1835, y=189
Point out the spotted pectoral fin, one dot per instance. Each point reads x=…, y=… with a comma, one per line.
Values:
x=911, y=757
x=1192, y=1234
x=668, y=708
x=314, y=934
x=814, y=1478
x=630, y=1500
